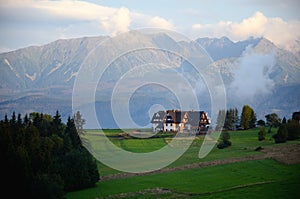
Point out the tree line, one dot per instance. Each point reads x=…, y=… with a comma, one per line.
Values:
x=42, y=157
x=230, y=119
x=287, y=129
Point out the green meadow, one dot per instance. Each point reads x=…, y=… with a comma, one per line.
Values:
x=264, y=178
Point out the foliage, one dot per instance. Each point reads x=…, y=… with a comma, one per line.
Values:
x=261, y=123
x=220, y=120
x=248, y=117
x=293, y=128
x=282, y=134
x=44, y=157
x=262, y=133
x=296, y=116
x=79, y=122
x=272, y=121
x=224, y=143
x=231, y=119
x=227, y=119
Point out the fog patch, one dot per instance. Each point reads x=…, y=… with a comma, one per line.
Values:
x=252, y=77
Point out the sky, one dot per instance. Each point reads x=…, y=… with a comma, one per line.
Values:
x=29, y=22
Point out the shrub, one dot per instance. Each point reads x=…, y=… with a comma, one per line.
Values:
x=293, y=128
x=262, y=133
x=281, y=135
x=224, y=143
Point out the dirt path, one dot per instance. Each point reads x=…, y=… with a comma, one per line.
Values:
x=287, y=154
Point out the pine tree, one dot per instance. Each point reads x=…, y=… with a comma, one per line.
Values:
x=220, y=120
x=79, y=122
x=284, y=120
x=57, y=126
x=26, y=121
x=71, y=133
x=6, y=119
x=13, y=119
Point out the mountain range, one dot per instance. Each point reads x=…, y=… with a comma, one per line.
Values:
x=42, y=78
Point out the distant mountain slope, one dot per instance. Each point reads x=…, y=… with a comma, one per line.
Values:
x=41, y=78
x=43, y=66
x=225, y=48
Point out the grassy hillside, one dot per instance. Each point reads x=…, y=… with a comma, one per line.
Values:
x=244, y=143
x=265, y=178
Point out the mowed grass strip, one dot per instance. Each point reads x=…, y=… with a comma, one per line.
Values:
x=264, y=178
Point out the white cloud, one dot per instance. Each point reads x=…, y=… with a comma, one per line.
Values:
x=65, y=19
x=160, y=22
x=254, y=26
x=282, y=33
x=31, y=22
x=119, y=21
x=251, y=79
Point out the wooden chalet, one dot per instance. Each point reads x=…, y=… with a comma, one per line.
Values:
x=180, y=121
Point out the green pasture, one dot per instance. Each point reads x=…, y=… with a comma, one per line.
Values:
x=244, y=143
x=260, y=178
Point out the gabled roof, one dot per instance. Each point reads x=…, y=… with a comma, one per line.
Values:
x=194, y=117
x=158, y=117
x=176, y=116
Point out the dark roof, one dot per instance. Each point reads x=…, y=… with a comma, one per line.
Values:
x=158, y=117
x=194, y=117
x=176, y=116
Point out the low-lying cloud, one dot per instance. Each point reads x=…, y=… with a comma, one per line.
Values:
x=251, y=78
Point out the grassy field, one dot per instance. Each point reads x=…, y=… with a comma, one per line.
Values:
x=258, y=178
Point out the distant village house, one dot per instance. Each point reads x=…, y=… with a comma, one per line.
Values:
x=180, y=121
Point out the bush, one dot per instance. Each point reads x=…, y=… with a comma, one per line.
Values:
x=262, y=133
x=293, y=128
x=281, y=135
x=224, y=143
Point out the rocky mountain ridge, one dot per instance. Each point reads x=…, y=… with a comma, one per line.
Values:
x=41, y=78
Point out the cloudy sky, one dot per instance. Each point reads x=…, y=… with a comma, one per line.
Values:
x=28, y=22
